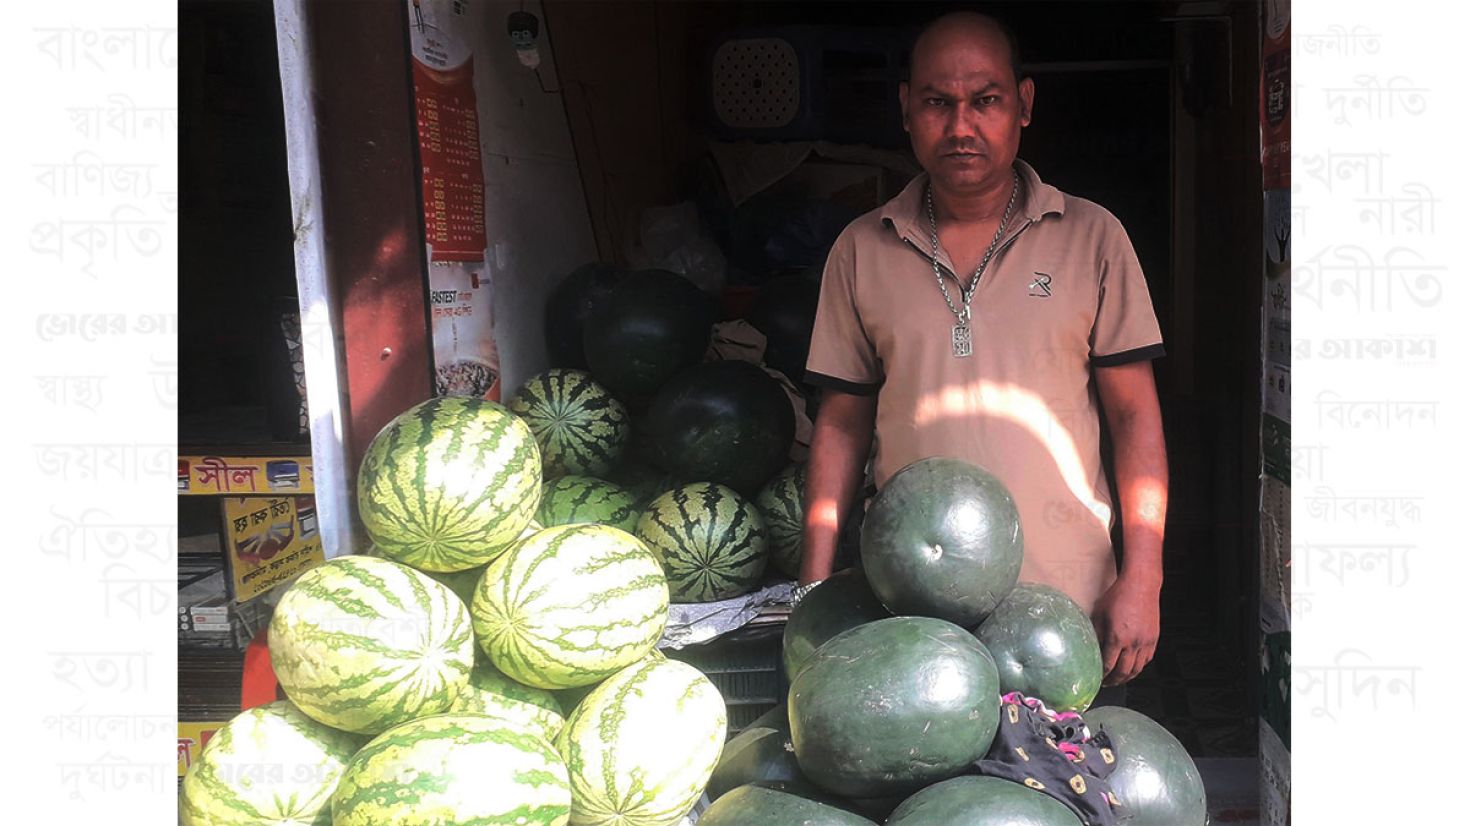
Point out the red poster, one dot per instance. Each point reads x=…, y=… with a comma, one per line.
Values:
x=1276, y=97
x=449, y=152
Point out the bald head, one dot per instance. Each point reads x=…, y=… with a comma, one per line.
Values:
x=962, y=27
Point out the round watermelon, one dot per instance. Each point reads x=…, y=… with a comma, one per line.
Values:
x=572, y=302
x=449, y=484
x=892, y=706
x=761, y=751
x=491, y=692
x=1155, y=779
x=942, y=539
x=362, y=644
x=725, y=422
x=778, y=804
x=641, y=747
x=570, y=606
x=579, y=427
x=270, y=764
x=463, y=583
x=711, y=541
x=572, y=500
x=840, y=602
x=784, y=310
x=982, y=801
x=653, y=324
x=780, y=503
x=1044, y=646
x=454, y=768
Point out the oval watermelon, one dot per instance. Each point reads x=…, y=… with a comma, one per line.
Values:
x=892, y=706
x=570, y=606
x=454, y=768
x=575, y=299
x=712, y=542
x=1155, y=779
x=780, y=503
x=653, y=324
x=840, y=602
x=491, y=692
x=463, y=583
x=572, y=500
x=449, y=484
x=270, y=764
x=981, y=801
x=641, y=747
x=725, y=422
x=362, y=644
x=942, y=539
x=777, y=804
x=761, y=751
x=579, y=427
x=1044, y=646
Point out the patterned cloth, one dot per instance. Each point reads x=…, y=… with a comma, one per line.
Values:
x=1054, y=753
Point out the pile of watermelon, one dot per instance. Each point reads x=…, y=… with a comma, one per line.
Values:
x=897, y=670
x=638, y=430
x=480, y=665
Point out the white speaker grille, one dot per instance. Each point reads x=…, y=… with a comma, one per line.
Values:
x=756, y=83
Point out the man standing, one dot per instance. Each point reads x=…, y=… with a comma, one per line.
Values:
x=985, y=315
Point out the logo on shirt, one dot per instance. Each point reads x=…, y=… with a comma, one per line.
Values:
x=1041, y=287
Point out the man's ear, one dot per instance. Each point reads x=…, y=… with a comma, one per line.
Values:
x=903, y=102
x=1028, y=97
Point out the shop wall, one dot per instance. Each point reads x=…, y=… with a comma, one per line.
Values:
x=536, y=225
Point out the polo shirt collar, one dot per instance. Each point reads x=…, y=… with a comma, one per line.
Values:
x=904, y=210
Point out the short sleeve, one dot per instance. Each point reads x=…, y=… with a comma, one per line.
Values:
x=1125, y=329
x=842, y=355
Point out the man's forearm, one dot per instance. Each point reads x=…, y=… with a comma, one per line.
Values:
x=841, y=439
x=1140, y=464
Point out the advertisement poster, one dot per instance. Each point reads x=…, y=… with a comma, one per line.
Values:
x=270, y=540
x=192, y=737
x=466, y=359
x=216, y=475
x=1276, y=95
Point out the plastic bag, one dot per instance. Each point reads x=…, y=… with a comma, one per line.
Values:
x=674, y=239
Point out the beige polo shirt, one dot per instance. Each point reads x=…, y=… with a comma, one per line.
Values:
x=1062, y=294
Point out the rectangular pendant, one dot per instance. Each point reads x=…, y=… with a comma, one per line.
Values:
x=961, y=340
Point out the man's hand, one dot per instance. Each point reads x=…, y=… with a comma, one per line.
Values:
x=1126, y=617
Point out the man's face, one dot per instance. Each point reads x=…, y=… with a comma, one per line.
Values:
x=963, y=109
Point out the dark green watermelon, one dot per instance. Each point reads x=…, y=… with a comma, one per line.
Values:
x=778, y=804
x=644, y=481
x=653, y=324
x=1155, y=779
x=574, y=300
x=942, y=539
x=725, y=422
x=1044, y=646
x=892, y=706
x=784, y=310
x=982, y=801
x=842, y=601
x=761, y=751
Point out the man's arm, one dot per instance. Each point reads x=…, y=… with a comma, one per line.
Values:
x=1127, y=616
x=841, y=438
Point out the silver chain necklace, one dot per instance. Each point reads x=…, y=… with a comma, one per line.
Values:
x=960, y=338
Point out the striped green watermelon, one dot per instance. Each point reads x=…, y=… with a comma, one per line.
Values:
x=780, y=503
x=641, y=747
x=491, y=692
x=270, y=764
x=570, y=606
x=581, y=429
x=573, y=499
x=449, y=484
x=454, y=769
x=712, y=542
x=463, y=583
x=363, y=644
